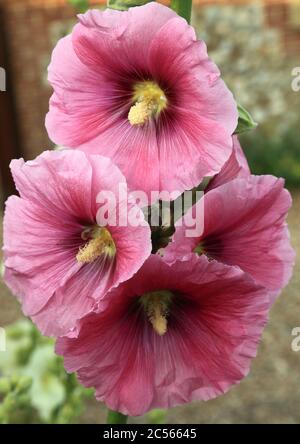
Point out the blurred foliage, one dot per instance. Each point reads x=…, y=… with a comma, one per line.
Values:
x=157, y=416
x=253, y=62
x=274, y=155
x=34, y=387
x=123, y=5
x=80, y=5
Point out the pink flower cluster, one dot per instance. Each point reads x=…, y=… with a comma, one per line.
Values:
x=139, y=104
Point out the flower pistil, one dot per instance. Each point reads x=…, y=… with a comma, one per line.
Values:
x=157, y=308
x=99, y=242
x=149, y=101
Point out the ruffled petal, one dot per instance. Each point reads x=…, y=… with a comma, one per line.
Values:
x=83, y=99
x=191, y=150
x=236, y=167
x=79, y=296
x=180, y=61
x=119, y=41
x=39, y=252
x=50, y=182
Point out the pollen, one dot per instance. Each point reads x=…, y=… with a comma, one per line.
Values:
x=139, y=114
x=159, y=321
x=157, y=306
x=149, y=101
x=99, y=243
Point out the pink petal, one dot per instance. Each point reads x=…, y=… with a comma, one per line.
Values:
x=115, y=40
x=191, y=150
x=236, y=167
x=50, y=183
x=177, y=55
x=78, y=297
x=38, y=255
x=134, y=150
x=80, y=107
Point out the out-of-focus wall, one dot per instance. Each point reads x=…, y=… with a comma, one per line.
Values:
x=256, y=45
x=272, y=27
x=32, y=28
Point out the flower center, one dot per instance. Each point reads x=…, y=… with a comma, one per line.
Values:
x=203, y=248
x=149, y=101
x=199, y=249
x=99, y=242
x=156, y=305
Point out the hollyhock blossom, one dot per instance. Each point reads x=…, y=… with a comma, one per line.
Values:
x=244, y=225
x=60, y=254
x=172, y=334
x=235, y=167
x=137, y=86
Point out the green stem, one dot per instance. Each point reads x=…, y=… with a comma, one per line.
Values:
x=116, y=418
x=183, y=8
x=123, y=5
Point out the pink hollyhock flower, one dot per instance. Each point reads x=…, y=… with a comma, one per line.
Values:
x=172, y=334
x=235, y=167
x=138, y=87
x=244, y=225
x=59, y=260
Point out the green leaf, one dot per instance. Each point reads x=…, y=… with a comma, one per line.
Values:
x=246, y=122
x=123, y=5
x=47, y=391
x=183, y=8
x=116, y=417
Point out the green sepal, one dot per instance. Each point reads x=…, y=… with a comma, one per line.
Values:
x=245, y=122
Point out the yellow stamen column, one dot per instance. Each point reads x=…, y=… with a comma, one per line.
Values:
x=157, y=307
x=149, y=101
x=101, y=243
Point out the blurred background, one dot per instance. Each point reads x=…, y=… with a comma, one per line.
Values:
x=256, y=45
